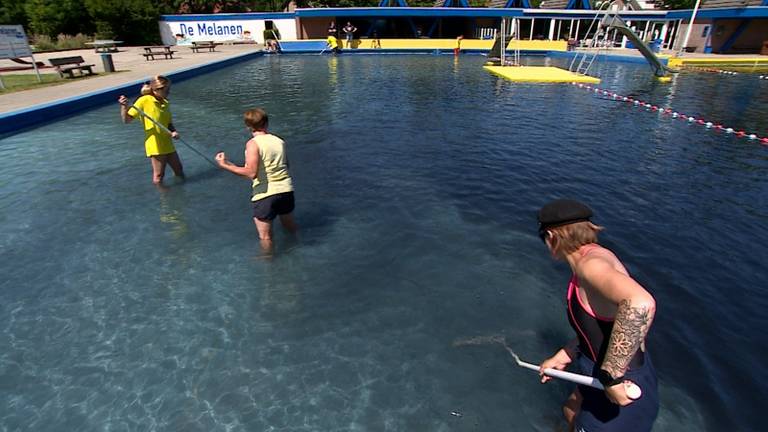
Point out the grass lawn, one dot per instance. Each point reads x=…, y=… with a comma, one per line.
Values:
x=17, y=82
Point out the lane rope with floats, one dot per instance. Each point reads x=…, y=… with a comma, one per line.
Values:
x=673, y=114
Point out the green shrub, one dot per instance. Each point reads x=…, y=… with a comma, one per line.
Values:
x=43, y=43
x=62, y=42
x=104, y=30
x=72, y=42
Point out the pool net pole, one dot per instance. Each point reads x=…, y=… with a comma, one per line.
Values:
x=168, y=131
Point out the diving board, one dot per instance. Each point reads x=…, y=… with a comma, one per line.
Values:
x=541, y=74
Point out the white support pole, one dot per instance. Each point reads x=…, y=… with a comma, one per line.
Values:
x=690, y=27
x=559, y=29
x=663, y=33
x=37, y=72
x=576, y=33
x=645, y=33
x=533, y=21
x=502, y=52
x=516, y=24
x=624, y=38
x=552, y=29
x=570, y=30
x=673, y=34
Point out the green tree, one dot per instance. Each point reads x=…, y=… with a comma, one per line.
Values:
x=12, y=12
x=133, y=21
x=53, y=17
x=676, y=4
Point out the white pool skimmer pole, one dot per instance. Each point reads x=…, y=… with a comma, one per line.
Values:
x=168, y=131
x=633, y=391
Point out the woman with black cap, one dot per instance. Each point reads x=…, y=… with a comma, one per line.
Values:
x=611, y=314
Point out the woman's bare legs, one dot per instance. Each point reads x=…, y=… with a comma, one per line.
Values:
x=571, y=408
x=158, y=168
x=175, y=163
x=288, y=223
x=265, y=234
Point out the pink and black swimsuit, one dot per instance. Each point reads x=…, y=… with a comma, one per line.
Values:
x=597, y=412
x=593, y=330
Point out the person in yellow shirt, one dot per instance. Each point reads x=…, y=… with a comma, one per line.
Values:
x=266, y=165
x=157, y=144
x=333, y=44
x=457, y=48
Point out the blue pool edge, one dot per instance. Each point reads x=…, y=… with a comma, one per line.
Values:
x=19, y=120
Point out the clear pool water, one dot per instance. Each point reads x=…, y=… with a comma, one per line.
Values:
x=125, y=308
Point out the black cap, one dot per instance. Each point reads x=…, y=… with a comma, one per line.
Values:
x=563, y=212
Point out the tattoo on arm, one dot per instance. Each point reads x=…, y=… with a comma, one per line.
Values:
x=629, y=330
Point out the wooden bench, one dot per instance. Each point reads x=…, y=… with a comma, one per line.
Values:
x=209, y=45
x=68, y=65
x=151, y=52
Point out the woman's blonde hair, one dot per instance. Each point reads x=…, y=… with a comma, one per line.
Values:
x=156, y=83
x=569, y=238
x=256, y=119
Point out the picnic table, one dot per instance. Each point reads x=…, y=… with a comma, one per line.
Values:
x=151, y=52
x=200, y=45
x=105, y=45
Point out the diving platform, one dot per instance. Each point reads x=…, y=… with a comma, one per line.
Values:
x=540, y=74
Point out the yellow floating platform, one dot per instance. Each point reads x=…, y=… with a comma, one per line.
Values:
x=541, y=74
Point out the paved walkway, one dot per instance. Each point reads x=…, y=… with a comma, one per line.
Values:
x=129, y=64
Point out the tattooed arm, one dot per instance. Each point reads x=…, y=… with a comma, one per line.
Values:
x=629, y=330
x=634, y=312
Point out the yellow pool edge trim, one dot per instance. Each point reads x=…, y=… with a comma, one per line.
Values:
x=541, y=74
x=709, y=61
x=450, y=44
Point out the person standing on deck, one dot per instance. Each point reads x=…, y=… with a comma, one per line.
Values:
x=611, y=314
x=349, y=31
x=266, y=165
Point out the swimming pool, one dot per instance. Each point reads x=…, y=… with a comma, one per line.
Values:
x=418, y=177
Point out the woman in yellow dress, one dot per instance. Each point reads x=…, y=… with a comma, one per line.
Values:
x=158, y=146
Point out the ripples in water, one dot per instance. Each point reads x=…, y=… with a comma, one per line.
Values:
x=418, y=178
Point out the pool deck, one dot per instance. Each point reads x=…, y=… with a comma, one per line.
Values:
x=129, y=64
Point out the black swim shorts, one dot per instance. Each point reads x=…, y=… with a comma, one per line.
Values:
x=266, y=209
x=598, y=414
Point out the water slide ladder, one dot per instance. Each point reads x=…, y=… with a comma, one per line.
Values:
x=582, y=63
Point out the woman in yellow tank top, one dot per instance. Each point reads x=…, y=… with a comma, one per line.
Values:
x=266, y=165
x=157, y=144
